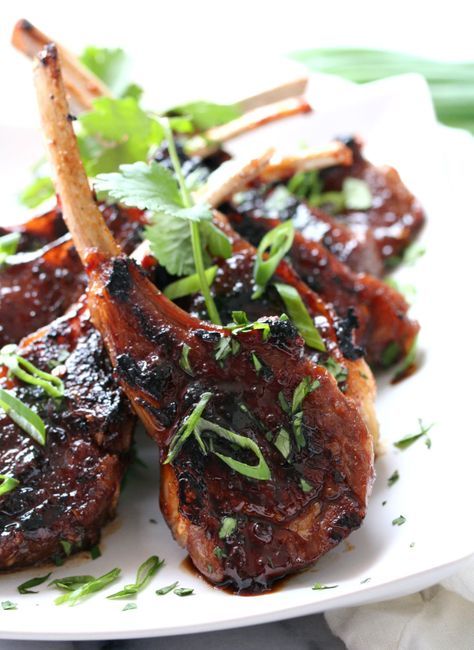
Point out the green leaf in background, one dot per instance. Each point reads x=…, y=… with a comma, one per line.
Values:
x=112, y=66
x=451, y=83
x=205, y=115
x=38, y=191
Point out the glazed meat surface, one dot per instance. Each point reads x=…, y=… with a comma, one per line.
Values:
x=38, y=286
x=280, y=526
x=395, y=218
x=384, y=329
x=69, y=487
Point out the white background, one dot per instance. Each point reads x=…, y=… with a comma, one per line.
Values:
x=199, y=47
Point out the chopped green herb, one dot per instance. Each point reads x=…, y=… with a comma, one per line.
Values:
x=183, y=591
x=184, y=360
x=337, y=370
x=407, y=362
x=300, y=316
x=393, y=478
x=129, y=606
x=30, y=374
x=188, y=428
x=319, y=587
x=412, y=545
x=70, y=583
x=224, y=347
x=7, y=604
x=257, y=364
x=305, y=486
x=189, y=285
x=219, y=552
x=23, y=416
x=228, y=526
x=285, y=407
x=384, y=503
x=413, y=253
x=428, y=443
x=365, y=581
x=356, y=193
x=283, y=443
x=145, y=573
x=73, y=597
x=274, y=246
x=408, y=440
x=95, y=552
x=67, y=547
x=166, y=590
x=399, y=521
x=390, y=354
x=8, y=246
x=304, y=388
x=260, y=472
x=25, y=587
x=7, y=483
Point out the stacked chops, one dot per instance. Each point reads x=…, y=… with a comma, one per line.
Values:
x=267, y=457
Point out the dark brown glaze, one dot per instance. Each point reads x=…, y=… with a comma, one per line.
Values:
x=69, y=487
x=355, y=246
x=39, y=286
x=381, y=312
x=280, y=528
x=396, y=216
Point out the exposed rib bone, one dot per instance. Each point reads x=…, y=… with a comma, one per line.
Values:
x=80, y=83
x=82, y=216
x=208, y=142
x=293, y=88
x=283, y=167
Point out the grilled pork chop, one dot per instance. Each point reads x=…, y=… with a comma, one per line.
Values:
x=246, y=511
x=69, y=487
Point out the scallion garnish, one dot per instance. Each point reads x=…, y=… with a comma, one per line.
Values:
x=26, y=587
x=166, y=590
x=183, y=591
x=228, y=526
x=7, y=604
x=337, y=370
x=300, y=316
x=356, y=193
x=305, y=486
x=409, y=439
x=399, y=521
x=320, y=587
x=95, y=552
x=282, y=442
x=8, y=246
x=8, y=483
x=145, y=573
x=67, y=547
x=393, y=478
x=73, y=597
x=274, y=246
x=189, y=285
x=184, y=360
x=187, y=429
x=129, y=606
x=23, y=416
x=71, y=583
x=30, y=374
x=304, y=388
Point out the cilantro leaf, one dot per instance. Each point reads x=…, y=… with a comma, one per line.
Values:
x=114, y=132
x=170, y=243
x=39, y=190
x=112, y=66
x=204, y=115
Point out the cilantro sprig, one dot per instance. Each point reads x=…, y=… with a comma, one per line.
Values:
x=180, y=230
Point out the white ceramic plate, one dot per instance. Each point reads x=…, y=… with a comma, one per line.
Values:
x=380, y=561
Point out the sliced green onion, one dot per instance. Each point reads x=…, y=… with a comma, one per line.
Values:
x=276, y=243
x=300, y=316
x=183, y=591
x=25, y=587
x=166, y=590
x=7, y=604
x=30, y=374
x=145, y=573
x=189, y=285
x=261, y=471
x=71, y=583
x=337, y=370
x=356, y=193
x=8, y=483
x=95, y=552
x=187, y=428
x=305, y=486
x=129, y=606
x=320, y=587
x=8, y=246
x=304, y=388
x=184, y=360
x=228, y=526
x=67, y=547
x=73, y=597
x=282, y=442
x=23, y=416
